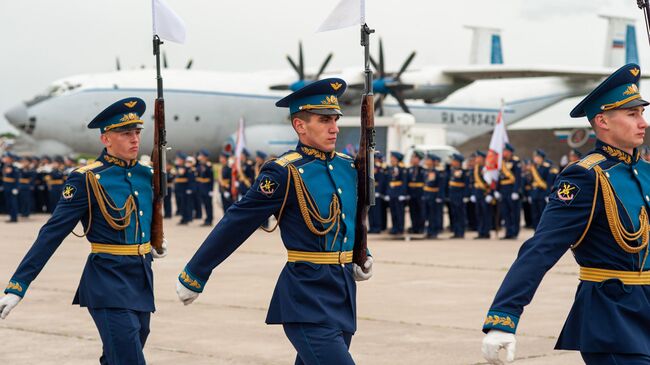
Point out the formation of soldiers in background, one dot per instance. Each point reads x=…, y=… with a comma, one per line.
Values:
x=426, y=189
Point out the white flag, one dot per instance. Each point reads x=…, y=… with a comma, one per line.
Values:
x=494, y=157
x=346, y=14
x=166, y=23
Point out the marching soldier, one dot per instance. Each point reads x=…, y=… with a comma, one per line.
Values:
x=10, y=183
x=375, y=213
x=55, y=180
x=508, y=188
x=598, y=209
x=396, y=192
x=539, y=172
x=225, y=186
x=188, y=175
x=205, y=181
x=167, y=202
x=415, y=178
x=433, y=195
x=314, y=298
x=458, y=193
x=26, y=186
x=482, y=198
x=112, y=198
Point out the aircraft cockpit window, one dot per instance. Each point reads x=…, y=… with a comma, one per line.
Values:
x=52, y=91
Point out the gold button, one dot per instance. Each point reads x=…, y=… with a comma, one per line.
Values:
x=352, y=165
x=301, y=170
x=331, y=167
x=97, y=176
x=647, y=198
x=141, y=249
x=340, y=191
x=341, y=257
x=128, y=174
x=636, y=172
x=607, y=174
x=136, y=193
x=141, y=213
x=343, y=215
x=142, y=234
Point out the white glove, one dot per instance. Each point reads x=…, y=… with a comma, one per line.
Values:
x=465, y=200
x=530, y=199
x=488, y=199
x=14, y=191
x=366, y=272
x=401, y=198
x=438, y=200
x=7, y=303
x=497, y=195
x=226, y=195
x=160, y=255
x=472, y=198
x=514, y=196
x=188, y=191
x=546, y=199
x=210, y=194
x=184, y=294
x=387, y=198
x=496, y=340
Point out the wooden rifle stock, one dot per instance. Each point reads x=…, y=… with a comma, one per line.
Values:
x=159, y=175
x=364, y=163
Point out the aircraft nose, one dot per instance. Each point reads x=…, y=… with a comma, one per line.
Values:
x=17, y=116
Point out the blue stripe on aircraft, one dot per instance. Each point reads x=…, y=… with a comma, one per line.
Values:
x=272, y=97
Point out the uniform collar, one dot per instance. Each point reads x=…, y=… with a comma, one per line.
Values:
x=112, y=160
x=617, y=154
x=305, y=150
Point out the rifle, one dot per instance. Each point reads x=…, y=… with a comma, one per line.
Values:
x=365, y=159
x=645, y=6
x=158, y=157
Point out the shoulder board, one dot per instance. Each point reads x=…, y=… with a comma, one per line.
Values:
x=344, y=155
x=288, y=158
x=591, y=160
x=86, y=168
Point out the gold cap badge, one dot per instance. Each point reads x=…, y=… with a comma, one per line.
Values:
x=131, y=104
x=337, y=85
x=635, y=72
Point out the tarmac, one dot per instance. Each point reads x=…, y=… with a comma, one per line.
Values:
x=425, y=304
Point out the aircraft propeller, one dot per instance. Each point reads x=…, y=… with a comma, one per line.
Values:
x=299, y=67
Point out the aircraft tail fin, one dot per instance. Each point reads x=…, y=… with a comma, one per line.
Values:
x=621, y=45
x=486, y=46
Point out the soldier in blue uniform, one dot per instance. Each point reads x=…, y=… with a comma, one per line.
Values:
x=180, y=182
x=246, y=173
x=396, y=193
x=187, y=179
x=26, y=186
x=482, y=197
x=55, y=180
x=375, y=218
x=415, y=179
x=509, y=188
x=433, y=195
x=224, y=179
x=112, y=198
x=10, y=184
x=312, y=192
x=458, y=195
x=598, y=209
x=167, y=202
x=539, y=170
x=205, y=182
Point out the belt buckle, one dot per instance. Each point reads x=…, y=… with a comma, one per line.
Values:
x=141, y=250
x=342, y=258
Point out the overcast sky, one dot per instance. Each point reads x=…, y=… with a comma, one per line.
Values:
x=44, y=40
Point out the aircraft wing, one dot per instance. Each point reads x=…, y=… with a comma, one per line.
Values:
x=472, y=73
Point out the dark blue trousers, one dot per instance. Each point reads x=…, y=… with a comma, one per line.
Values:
x=510, y=213
x=188, y=205
x=458, y=216
x=483, y=217
x=598, y=358
x=416, y=210
x=124, y=333
x=374, y=216
x=536, y=210
x=167, y=203
x=433, y=212
x=25, y=201
x=206, y=201
x=11, y=202
x=396, y=215
x=318, y=345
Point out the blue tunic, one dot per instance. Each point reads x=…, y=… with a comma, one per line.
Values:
x=607, y=316
x=305, y=292
x=108, y=281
